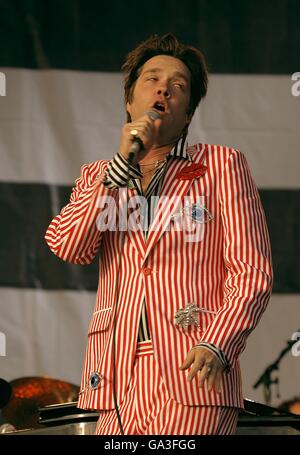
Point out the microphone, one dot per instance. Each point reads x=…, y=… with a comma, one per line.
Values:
x=153, y=115
x=137, y=145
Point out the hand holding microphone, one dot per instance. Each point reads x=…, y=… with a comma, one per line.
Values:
x=139, y=136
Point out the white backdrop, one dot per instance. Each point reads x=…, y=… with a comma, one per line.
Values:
x=51, y=122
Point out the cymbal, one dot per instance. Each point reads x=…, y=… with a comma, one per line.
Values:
x=30, y=393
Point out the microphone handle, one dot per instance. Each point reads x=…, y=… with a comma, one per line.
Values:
x=136, y=147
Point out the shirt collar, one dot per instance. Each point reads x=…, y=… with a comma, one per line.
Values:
x=180, y=149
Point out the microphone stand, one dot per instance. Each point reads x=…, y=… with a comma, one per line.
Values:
x=266, y=378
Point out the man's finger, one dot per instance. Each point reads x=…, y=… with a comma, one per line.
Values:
x=197, y=365
x=211, y=378
x=188, y=361
x=218, y=379
x=206, y=372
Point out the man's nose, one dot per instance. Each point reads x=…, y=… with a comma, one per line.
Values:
x=164, y=91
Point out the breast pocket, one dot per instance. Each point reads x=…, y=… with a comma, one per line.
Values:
x=100, y=320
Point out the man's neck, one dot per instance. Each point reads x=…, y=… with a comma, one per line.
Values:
x=157, y=152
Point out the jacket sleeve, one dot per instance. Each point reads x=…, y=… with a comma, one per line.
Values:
x=74, y=234
x=247, y=259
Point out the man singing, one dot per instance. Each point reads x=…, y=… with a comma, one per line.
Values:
x=183, y=282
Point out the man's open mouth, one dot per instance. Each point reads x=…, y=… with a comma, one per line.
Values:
x=159, y=106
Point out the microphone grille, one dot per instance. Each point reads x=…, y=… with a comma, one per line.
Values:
x=154, y=115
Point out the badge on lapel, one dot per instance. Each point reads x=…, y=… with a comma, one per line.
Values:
x=187, y=316
x=196, y=211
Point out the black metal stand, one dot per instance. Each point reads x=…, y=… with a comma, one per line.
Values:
x=266, y=378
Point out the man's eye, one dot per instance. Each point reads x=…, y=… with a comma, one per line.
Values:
x=177, y=84
x=152, y=79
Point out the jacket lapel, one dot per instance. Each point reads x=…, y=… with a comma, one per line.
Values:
x=170, y=200
x=128, y=214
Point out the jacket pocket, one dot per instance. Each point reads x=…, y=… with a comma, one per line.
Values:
x=206, y=317
x=100, y=320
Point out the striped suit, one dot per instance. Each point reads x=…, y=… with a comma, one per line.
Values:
x=226, y=271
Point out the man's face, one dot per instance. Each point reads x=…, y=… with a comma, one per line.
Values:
x=164, y=85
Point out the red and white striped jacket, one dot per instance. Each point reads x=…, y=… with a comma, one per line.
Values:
x=226, y=271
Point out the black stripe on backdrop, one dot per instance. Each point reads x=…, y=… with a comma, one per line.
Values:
x=249, y=36
x=26, y=261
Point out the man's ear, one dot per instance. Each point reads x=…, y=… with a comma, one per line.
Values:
x=188, y=118
x=128, y=107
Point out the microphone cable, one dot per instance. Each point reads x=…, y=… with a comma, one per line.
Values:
x=114, y=336
x=132, y=154
x=136, y=146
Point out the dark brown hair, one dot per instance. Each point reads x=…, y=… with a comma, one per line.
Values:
x=167, y=45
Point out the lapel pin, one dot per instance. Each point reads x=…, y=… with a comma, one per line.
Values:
x=187, y=316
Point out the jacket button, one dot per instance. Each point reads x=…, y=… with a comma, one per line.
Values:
x=147, y=271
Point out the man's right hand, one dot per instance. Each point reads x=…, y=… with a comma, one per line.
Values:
x=147, y=132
